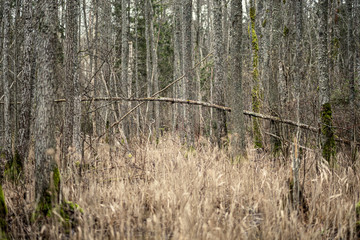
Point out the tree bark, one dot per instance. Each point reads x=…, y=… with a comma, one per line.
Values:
x=124, y=60
x=47, y=177
x=256, y=90
x=71, y=84
x=219, y=98
x=26, y=83
x=327, y=132
x=188, y=69
x=297, y=88
x=275, y=35
x=237, y=118
x=6, y=81
x=178, y=70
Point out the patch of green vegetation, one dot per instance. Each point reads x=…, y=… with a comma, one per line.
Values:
x=335, y=46
x=3, y=213
x=264, y=23
x=286, y=31
x=68, y=212
x=357, y=210
x=49, y=197
x=14, y=167
x=56, y=180
x=328, y=143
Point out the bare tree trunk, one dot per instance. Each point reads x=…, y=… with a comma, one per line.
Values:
x=71, y=83
x=189, y=77
x=198, y=56
x=6, y=81
x=297, y=87
x=149, y=107
x=26, y=84
x=351, y=72
x=47, y=176
x=237, y=118
x=137, y=87
x=178, y=70
x=124, y=60
x=275, y=33
x=327, y=132
x=74, y=25
x=219, y=98
x=155, y=73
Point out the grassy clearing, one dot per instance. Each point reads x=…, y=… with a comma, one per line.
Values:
x=165, y=191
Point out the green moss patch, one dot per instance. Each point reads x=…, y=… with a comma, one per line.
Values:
x=14, y=168
x=3, y=213
x=327, y=132
x=70, y=213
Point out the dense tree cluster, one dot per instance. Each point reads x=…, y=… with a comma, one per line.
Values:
x=93, y=69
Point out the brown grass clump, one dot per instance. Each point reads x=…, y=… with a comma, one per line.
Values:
x=167, y=191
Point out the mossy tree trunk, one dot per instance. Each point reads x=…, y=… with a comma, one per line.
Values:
x=47, y=175
x=256, y=91
x=3, y=214
x=327, y=132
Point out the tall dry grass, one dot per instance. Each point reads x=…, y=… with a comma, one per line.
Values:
x=166, y=191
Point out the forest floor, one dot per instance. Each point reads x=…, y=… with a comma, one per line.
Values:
x=164, y=190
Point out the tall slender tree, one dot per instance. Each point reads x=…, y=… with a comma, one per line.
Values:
x=178, y=64
x=219, y=98
x=188, y=62
x=6, y=80
x=237, y=105
x=255, y=93
x=327, y=131
x=298, y=78
x=124, y=58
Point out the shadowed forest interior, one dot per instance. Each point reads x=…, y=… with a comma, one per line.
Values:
x=189, y=119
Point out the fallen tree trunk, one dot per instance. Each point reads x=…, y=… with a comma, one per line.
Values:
x=204, y=104
x=277, y=119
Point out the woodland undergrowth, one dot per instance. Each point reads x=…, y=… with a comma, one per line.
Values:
x=164, y=190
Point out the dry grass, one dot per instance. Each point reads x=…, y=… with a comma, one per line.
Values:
x=166, y=191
